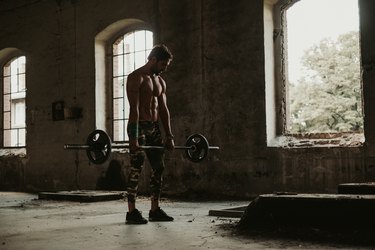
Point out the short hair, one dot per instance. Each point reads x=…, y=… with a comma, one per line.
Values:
x=161, y=53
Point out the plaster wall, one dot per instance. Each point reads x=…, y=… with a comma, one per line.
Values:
x=216, y=86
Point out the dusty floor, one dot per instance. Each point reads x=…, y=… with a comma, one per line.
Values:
x=29, y=223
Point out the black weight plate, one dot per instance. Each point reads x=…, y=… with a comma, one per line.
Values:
x=198, y=147
x=99, y=146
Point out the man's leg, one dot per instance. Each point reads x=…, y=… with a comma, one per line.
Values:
x=156, y=158
x=136, y=165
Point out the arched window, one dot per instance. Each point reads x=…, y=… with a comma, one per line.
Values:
x=130, y=52
x=14, y=103
x=120, y=48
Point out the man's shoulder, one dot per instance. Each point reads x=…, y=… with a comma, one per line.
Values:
x=136, y=75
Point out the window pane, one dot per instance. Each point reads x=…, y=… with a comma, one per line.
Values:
x=7, y=85
x=14, y=83
x=118, y=108
x=21, y=65
x=140, y=40
x=18, y=113
x=7, y=120
x=118, y=66
x=22, y=137
x=14, y=138
x=129, y=63
x=21, y=82
x=118, y=87
x=140, y=59
x=14, y=67
x=118, y=130
x=6, y=106
x=118, y=47
x=7, y=70
x=129, y=43
x=7, y=138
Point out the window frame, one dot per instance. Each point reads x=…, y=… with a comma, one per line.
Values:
x=6, y=57
x=277, y=112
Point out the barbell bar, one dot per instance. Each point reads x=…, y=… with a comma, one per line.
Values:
x=119, y=145
x=99, y=146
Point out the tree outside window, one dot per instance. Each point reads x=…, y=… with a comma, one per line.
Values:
x=323, y=85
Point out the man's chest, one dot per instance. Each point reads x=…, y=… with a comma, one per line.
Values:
x=151, y=86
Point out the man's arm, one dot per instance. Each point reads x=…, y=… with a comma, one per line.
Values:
x=165, y=116
x=132, y=89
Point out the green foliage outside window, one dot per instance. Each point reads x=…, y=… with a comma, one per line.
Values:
x=328, y=98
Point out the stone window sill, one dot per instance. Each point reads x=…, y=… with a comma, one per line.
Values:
x=21, y=152
x=318, y=140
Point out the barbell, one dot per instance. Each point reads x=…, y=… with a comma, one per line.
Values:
x=99, y=146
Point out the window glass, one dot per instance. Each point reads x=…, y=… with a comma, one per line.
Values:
x=323, y=86
x=14, y=103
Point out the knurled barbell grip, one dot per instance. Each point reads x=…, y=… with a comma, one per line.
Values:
x=76, y=146
x=150, y=147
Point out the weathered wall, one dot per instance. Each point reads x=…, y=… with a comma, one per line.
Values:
x=216, y=87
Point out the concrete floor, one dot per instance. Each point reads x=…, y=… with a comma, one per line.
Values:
x=29, y=223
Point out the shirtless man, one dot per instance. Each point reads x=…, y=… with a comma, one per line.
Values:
x=146, y=92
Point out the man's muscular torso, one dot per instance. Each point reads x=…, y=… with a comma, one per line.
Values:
x=150, y=89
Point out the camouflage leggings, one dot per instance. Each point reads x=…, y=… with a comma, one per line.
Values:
x=149, y=134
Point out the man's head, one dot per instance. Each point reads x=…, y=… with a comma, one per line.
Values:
x=160, y=57
x=161, y=53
